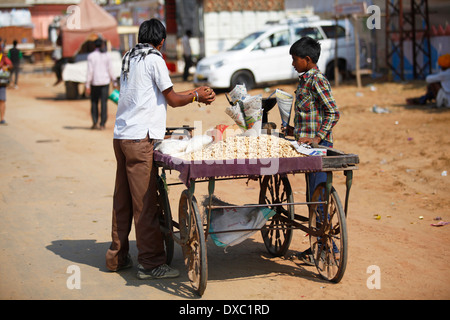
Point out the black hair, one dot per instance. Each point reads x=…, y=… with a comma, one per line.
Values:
x=152, y=31
x=98, y=43
x=304, y=47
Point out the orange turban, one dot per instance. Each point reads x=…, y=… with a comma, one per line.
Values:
x=444, y=61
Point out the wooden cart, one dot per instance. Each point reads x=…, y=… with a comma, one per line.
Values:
x=325, y=222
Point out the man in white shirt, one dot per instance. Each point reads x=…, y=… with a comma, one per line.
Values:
x=99, y=76
x=145, y=90
x=441, y=82
x=438, y=87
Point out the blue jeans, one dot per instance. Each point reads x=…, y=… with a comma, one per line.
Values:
x=316, y=178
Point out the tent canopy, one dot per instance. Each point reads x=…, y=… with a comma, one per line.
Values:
x=87, y=20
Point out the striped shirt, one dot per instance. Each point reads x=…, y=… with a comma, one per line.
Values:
x=316, y=112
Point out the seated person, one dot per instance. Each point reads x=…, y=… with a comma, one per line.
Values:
x=438, y=87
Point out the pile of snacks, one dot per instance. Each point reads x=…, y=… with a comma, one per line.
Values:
x=244, y=147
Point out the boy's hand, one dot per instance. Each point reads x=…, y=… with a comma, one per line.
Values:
x=315, y=140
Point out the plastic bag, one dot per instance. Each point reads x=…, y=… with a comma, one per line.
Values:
x=197, y=143
x=236, y=219
x=173, y=147
x=177, y=148
x=114, y=96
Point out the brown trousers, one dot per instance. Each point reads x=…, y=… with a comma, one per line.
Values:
x=135, y=197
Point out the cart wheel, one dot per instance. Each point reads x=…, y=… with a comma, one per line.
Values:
x=165, y=220
x=329, y=244
x=194, y=247
x=277, y=233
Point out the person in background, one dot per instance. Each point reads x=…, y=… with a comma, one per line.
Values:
x=187, y=54
x=5, y=65
x=99, y=77
x=59, y=61
x=145, y=91
x=15, y=55
x=440, y=82
x=438, y=87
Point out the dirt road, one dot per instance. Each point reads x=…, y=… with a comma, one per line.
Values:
x=57, y=179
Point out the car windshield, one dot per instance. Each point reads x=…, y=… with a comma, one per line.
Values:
x=246, y=41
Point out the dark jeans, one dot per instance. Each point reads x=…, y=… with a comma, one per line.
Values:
x=187, y=64
x=57, y=68
x=99, y=93
x=135, y=198
x=315, y=178
x=15, y=72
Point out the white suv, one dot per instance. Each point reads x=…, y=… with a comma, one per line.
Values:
x=263, y=56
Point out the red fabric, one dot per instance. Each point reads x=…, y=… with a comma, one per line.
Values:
x=5, y=61
x=86, y=19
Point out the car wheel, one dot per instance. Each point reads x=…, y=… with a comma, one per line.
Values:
x=243, y=77
x=329, y=72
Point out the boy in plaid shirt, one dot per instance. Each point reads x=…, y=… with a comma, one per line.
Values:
x=316, y=112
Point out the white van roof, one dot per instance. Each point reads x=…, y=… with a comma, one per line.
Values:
x=305, y=21
x=295, y=20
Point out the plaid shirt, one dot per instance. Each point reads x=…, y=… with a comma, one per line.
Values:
x=316, y=112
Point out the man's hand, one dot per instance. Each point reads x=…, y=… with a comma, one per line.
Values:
x=205, y=94
x=288, y=130
x=88, y=91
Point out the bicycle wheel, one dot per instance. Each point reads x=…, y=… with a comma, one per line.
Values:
x=328, y=237
x=194, y=243
x=277, y=233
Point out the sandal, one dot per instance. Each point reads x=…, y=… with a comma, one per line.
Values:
x=306, y=257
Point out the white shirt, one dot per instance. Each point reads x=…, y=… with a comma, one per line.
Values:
x=99, y=69
x=142, y=107
x=443, y=77
x=186, y=45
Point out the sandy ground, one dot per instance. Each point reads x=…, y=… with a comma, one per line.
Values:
x=57, y=179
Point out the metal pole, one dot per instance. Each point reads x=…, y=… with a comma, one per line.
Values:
x=336, y=67
x=357, y=53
